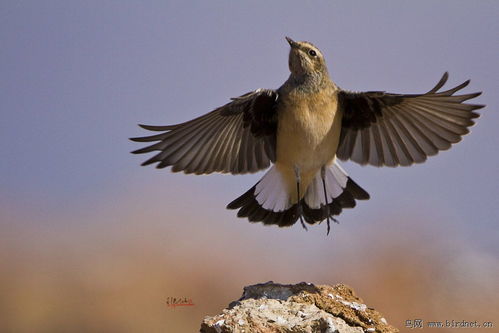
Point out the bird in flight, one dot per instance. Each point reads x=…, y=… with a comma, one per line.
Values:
x=301, y=129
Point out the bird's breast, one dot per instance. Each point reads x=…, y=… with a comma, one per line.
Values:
x=308, y=130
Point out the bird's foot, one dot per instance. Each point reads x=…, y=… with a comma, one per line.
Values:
x=328, y=225
x=300, y=214
x=303, y=223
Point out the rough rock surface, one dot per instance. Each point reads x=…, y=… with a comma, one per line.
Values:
x=303, y=307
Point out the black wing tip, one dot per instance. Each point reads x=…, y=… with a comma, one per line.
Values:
x=478, y=106
x=137, y=151
x=472, y=95
x=444, y=77
x=137, y=139
x=474, y=115
x=149, y=128
x=156, y=128
x=463, y=85
x=440, y=83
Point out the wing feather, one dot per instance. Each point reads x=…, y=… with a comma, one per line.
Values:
x=384, y=129
x=238, y=137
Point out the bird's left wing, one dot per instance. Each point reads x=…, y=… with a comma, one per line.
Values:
x=236, y=138
x=384, y=129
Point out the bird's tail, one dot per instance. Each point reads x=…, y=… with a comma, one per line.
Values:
x=268, y=201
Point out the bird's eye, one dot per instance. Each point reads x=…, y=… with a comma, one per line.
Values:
x=312, y=53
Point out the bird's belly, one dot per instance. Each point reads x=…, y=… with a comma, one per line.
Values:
x=308, y=139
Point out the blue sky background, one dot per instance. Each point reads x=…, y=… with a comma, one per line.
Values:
x=76, y=77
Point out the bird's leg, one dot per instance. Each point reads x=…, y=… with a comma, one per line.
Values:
x=300, y=208
x=323, y=176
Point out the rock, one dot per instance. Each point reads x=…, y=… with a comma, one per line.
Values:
x=303, y=307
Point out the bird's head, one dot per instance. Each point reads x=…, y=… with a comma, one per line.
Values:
x=305, y=58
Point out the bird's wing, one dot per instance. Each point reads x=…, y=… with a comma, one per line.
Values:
x=236, y=138
x=384, y=129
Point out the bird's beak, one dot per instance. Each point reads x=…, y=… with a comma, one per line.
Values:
x=291, y=42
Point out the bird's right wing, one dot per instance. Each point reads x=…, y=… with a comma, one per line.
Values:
x=385, y=129
x=239, y=137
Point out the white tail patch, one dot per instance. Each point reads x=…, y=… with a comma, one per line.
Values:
x=271, y=192
x=336, y=180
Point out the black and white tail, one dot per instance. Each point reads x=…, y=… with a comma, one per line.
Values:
x=268, y=201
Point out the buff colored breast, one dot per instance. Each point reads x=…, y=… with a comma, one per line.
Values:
x=307, y=137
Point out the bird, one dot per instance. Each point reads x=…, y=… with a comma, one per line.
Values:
x=300, y=131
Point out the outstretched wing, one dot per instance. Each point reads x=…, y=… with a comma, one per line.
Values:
x=238, y=137
x=384, y=129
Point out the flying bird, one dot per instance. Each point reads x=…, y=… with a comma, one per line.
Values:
x=301, y=129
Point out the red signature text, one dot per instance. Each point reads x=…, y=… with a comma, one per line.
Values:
x=173, y=302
